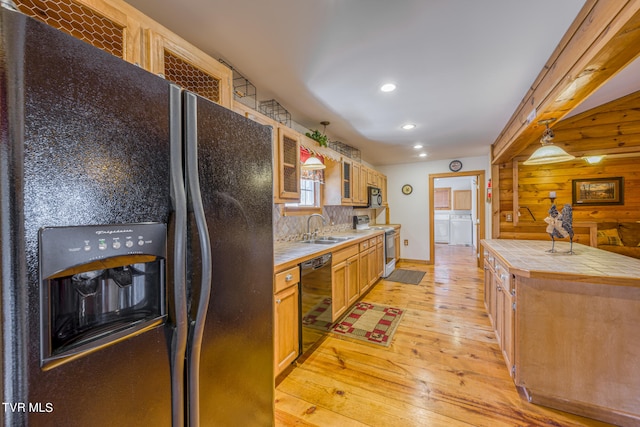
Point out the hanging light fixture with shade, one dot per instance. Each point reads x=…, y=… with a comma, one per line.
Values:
x=548, y=153
x=313, y=163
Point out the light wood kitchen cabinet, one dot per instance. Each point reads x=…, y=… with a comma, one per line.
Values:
x=359, y=196
x=190, y=68
x=372, y=254
x=380, y=261
x=338, y=188
x=442, y=198
x=109, y=26
x=383, y=189
x=286, y=315
x=287, y=166
x=121, y=30
x=353, y=279
x=567, y=330
x=344, y=280
x=372, y=178
x=368, y=269
x=503, y=296
x=364, y=267
x=462, y=199
x=488, y=287
x=347, y=182
x=364, y=185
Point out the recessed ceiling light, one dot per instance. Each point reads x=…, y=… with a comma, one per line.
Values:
x=423, y=154
x=418, y=146
x=408, y=126
x=388, y=87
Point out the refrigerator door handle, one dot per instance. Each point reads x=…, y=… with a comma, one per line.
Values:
x=179, y=200
x=193, y=182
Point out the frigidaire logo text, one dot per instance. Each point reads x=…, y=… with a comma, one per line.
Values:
x=44, y=407
x=113, y=231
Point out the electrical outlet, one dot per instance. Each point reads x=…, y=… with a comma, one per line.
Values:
x=406, y=242
x=509, y=217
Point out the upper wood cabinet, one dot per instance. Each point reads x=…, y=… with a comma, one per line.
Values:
x=185, y=65
x=121, y=30
x=383, y=189
x=347, y=181
x=462, y=199
x=287, y=165
x=442, y=198
x=99, y=23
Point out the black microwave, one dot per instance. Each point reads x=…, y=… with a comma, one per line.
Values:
x=375, y=197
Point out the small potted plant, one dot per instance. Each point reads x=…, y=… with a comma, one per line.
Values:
x=320, y=138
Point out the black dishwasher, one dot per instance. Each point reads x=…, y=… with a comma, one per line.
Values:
x=315, y=301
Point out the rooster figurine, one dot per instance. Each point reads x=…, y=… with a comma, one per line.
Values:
x=560, y=225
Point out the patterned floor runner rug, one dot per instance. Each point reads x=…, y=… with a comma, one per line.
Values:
x=370, y=322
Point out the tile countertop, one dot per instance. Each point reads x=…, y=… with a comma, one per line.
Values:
x=529, y=258
x=288, y=254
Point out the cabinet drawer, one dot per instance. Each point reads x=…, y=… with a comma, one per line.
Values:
x=364, y=246
x=380, y=239
x=503, y=276
x=372, y=242
x=286, y=278
x=343, y=254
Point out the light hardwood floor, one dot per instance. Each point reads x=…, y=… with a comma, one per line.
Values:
x=443, y=368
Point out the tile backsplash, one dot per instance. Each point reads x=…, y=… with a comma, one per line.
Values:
x=340, y=218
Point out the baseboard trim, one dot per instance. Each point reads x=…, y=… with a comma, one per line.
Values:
x=416, y=261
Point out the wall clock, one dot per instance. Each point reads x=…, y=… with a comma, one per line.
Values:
x=455, y=165
x=407, y=189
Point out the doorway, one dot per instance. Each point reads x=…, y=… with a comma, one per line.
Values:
x=476, y=211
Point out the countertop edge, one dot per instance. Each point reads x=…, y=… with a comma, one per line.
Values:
x=535, y=273
x=325, y=249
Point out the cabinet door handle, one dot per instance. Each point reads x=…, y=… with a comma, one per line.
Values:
x=278, y=301
x=288, y=277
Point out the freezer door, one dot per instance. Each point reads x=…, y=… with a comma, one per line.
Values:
x=86, y=141
x=235, y=178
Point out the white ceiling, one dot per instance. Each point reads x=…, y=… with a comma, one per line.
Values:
x=461, y=66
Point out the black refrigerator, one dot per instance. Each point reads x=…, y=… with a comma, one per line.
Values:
x=136, y=254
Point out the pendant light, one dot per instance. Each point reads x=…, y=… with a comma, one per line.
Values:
x=548, y=153
x=313, y=163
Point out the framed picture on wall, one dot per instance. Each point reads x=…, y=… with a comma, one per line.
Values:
x=598, y=191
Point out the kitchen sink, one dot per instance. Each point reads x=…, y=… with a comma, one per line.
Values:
x=327, y=240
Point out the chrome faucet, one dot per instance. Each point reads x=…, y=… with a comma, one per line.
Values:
x=324, y=221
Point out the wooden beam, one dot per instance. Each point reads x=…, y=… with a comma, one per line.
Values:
x=603, y=39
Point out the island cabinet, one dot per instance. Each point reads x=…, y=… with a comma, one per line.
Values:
x=286, y=329
x=567, y=325
x=499, y=300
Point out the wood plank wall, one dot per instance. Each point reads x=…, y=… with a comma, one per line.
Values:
x=535, y=183
x=612, y=129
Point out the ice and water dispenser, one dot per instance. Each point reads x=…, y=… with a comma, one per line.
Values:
x=99, y=285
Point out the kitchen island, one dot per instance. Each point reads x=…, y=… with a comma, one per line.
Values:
x=567, y=325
